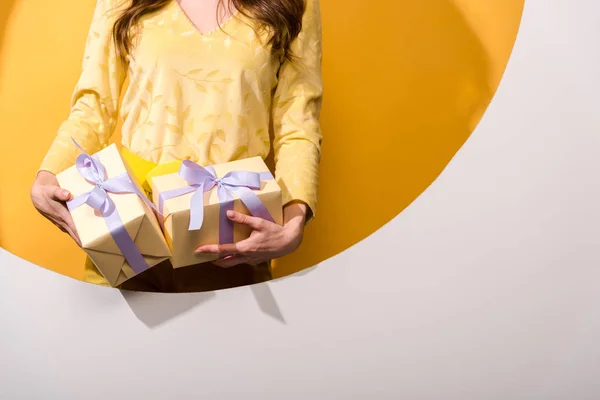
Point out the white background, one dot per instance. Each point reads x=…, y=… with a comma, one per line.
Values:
x=487, y=287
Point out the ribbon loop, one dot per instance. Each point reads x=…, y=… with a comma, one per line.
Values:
x=97, y=198
x=194, y=174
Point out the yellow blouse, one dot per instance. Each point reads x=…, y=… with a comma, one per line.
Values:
x=209, y=98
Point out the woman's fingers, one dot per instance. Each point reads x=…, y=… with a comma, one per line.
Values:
x=64, y=227
x=59, y=194
x=232, y=261
x=253, y=222
x=221, y=249
x=59, y=215
x=72, y=231
x=49, y=199
x=67, y=222
x=73, y=234
x=59, y=226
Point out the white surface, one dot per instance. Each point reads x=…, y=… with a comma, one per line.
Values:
x=493, y=290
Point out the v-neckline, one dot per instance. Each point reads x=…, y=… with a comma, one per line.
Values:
x=195, y=27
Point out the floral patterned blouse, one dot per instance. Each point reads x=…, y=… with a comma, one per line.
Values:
x=207, y=97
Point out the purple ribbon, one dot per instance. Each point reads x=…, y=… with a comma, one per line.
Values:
x=92, y=170
x=200, y=180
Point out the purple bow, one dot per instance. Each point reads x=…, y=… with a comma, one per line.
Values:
x=200, y=180
x=92, y=170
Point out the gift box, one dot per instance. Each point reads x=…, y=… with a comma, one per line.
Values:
x=194, y=201
x=116, y=223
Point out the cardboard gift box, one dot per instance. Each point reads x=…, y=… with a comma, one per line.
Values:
x=116, y=224
x=216, y=188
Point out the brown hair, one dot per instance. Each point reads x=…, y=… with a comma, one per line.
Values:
x=283, y=18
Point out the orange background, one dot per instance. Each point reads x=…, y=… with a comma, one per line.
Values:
x=406, y=82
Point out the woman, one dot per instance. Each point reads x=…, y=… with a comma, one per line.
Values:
x=207, y=90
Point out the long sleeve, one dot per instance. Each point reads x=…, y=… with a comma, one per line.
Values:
x=94, y=103
x=296, y=110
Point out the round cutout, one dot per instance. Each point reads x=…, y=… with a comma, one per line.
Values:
x=406, y=82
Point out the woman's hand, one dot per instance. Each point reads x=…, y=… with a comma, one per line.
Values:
x=49, y=199
x=267, y=241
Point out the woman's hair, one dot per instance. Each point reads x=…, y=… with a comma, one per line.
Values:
x=282, y=18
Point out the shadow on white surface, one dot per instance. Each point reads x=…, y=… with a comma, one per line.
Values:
x=305, y=271
x=266, y=301
x=299, y=273
x=155, y=309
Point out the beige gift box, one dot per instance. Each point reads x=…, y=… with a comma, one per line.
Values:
x=176, y=212
x=137, y=217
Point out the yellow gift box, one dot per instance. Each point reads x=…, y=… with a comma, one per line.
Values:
x=176, y=211
x=96, y=226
